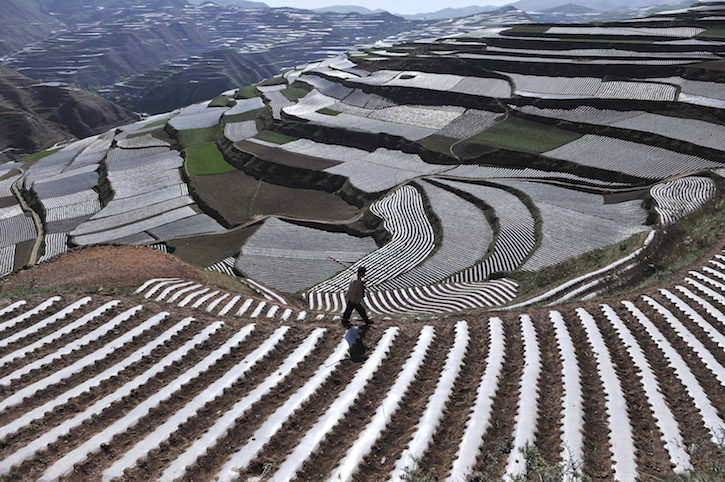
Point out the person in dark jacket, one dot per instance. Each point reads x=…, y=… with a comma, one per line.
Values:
x=354, y=298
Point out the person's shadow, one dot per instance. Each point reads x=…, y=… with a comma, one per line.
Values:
x=355, y=338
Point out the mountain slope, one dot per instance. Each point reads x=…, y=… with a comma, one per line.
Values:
x=34, y=116
x=23, y=22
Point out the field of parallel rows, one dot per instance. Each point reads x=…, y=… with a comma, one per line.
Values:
x=548, y=141
x=104, y=388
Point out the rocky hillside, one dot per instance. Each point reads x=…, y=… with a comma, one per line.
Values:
x=34, y=116
x=23, y=22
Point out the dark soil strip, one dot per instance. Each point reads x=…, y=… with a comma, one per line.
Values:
x=80, y=403
x=712, y=387
x=597, y=463
x=79, y=332
x=720, y=327
x=50, y=311
x=159, y=459
x=245, y=427
x=381, y=460
x=276, y=451
x=498, y=439
x=551, y=392
x=55, y=326
x=693, y=328
x=53, y=390
x=653, y=461
x=77, y=436
x=94, y=465
x=325, y=459
x=692, y=428
x=447, y=438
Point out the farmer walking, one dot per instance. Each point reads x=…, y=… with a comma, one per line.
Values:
x=354, y=298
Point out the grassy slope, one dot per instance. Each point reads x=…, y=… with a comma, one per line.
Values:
x=275, y=137
x=205, y=158
x=521, y=135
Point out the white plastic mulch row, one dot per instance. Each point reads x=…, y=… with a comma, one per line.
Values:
x=696, y=345
x=138, y=227
x=6, y=186
x=238, y=131
x=694, y=131
x=71, y=370
x=7, y=259
x=83, y=203
x=43, y=323
x=137, y=355
x=216, y=389
x=228, y=419
x=590, y=87
x=244, y=456
x=196, y=295
x=65, y=464
x=132, y=216
x=362, y=446
x=627, y=31
x=225, y=266
x=119, y=206
x=474, y=171
x=289, y=258
x=479, y=419
x=712, y=421
x=572, y=410
x=198, y=119
x=374, y=171
x=461, y=246
x=624, y=466
x=431, y=419
x=425, y=299
x=671, y=436
x=336, y=411
x=420, y=116
x=641, y=160
x=516, y=237
x=55, y=244
x=469, y=123
x=527, y=410
x=62, y=351
x=17, y=229
x=575, y=222
x=412, y=240
x=680, y=197
x=138, y=142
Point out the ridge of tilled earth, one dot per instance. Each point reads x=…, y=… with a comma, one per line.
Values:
x=685, y=360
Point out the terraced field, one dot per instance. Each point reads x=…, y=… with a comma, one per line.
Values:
x=105, y=388
x=447, y=167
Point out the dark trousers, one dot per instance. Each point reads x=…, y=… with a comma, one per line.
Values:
x=360, y=310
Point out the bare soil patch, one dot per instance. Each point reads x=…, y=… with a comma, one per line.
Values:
x=124, y=267
x=239, y=198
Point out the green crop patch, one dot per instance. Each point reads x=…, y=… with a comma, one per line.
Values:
x=327, y=111
x=39, y=155
x=191, y=137
x=716, y=32
x=436, y=143
x=274, y=137
x=247, y=92
x=245, y=116
x=294, y=93
x=272, y=81
x=205, y=158
x=219, y=101
x=158, y=122
x=522, y=135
